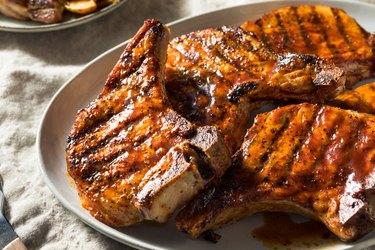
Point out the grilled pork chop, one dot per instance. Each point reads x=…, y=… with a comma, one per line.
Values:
x=313, y=160
x=131, y=156
x=319, y=30
x=361, y=99
x=45, y=11
x=217, y=76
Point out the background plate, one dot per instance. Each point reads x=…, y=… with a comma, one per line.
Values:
x=69, y=20
x=87, y=84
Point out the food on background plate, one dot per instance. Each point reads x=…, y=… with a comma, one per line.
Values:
x=130, y=155
x=49, y=11
x=324, y=31
x=308, y=159
x=45, y=11
x=84, y=7
x=81, y=7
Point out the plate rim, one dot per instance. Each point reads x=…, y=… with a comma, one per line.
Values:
x=40, y=27
x=103, y=228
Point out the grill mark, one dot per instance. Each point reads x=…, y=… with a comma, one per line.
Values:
x=112, y=83
x=253, y=49
x=104, y=139
x=123, y=145
x=96, y=122
x=285, y=38
x=323, y=31
x=266, y=156
x=320, y=157
x=216, y=52
x=340, y=26
x=202, y=67
x=263, y=36
x=303, y=138
x=93, y=150
x=312, y=49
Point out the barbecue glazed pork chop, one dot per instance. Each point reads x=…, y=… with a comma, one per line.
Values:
x=319, y=30
x=361, y=99
x=217, y=76
x=314, y=160
x=45, y=11
x=130, y=155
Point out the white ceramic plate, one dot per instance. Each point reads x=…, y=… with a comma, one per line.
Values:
x=86, y=85
x=69, y=20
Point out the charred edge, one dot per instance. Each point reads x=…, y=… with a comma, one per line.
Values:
x=211, y=236
x=312, y=49
x=240, y=90
x=285, y=37
x=341, y=28
x=323, y=30
x=310, y=59
x=152, y=25
x=194, y=155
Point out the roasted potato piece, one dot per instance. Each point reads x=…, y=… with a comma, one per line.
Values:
x=81, y=7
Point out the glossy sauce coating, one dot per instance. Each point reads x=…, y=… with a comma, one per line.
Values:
x=133, y=157
x=319, y=30
x=218, y=76
x=314, y=160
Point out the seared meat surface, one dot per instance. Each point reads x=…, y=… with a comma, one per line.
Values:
x=361, y=99
x=45, y=11
x=131, y=156
x=309, y=159
x=319, y=30
x=217, y=76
